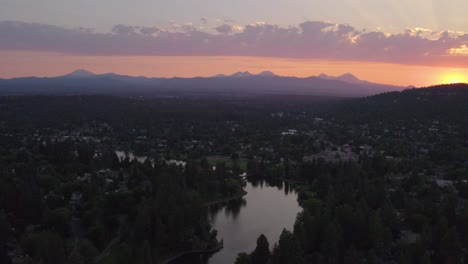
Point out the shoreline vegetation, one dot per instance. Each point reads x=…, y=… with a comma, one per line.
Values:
x=219, y=245
x=213, y=246
x=226, y=199
x=297, y=186
x=216, y=248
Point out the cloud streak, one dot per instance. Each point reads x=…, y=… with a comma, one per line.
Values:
x=309, y=40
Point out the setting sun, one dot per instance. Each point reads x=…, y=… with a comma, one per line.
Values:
x=453, y=78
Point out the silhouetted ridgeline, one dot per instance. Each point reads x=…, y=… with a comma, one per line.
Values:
x=442, y=101
x=237, y=85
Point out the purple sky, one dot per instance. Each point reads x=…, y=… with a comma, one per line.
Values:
x=310, y=39
x=422, y=33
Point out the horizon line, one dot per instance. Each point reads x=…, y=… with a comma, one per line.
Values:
x=220, y=75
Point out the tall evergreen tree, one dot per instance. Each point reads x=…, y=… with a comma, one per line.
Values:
x=261, y=254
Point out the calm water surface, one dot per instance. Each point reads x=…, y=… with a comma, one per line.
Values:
x=264, y=210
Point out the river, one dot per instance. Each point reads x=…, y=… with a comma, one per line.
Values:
x=264, y=210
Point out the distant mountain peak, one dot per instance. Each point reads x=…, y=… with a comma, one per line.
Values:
x=80, y=74
x=242, y=74
x=220, y=76
x=267, y=74
x=323, y=76
x=348, y=77
x=247, y=74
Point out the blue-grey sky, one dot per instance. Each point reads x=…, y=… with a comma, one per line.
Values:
x=102, y=15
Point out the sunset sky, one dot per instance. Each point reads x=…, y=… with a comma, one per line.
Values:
x=417, y=42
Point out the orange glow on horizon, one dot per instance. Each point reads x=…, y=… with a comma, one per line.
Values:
x=451, y=78
x=20, y=64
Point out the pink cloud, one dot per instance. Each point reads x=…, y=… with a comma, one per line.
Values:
x=309, y=40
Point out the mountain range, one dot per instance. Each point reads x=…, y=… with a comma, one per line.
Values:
x=237, y=84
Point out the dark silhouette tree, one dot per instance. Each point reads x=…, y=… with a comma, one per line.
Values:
x=243, y=258
x=261, y=254
x=288, y=250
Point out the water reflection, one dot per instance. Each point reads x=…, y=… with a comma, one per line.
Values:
x=286, y=188
x=267, y=208
x=233, y=208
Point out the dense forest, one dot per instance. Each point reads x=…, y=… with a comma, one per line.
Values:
x=381, y=179
x=64, y=203
x=410, y=207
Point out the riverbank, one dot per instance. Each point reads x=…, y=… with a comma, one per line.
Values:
x=226, y=199
x=220, y=244
x=305, y=192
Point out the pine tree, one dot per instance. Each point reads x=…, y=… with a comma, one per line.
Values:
x=261, y=254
